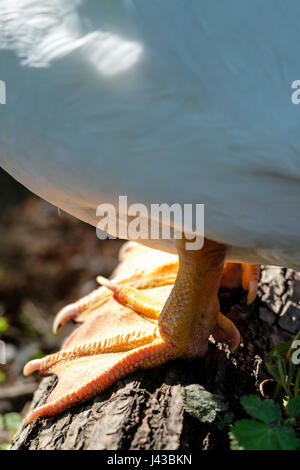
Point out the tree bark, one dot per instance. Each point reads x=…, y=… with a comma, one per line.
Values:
x=145, y=410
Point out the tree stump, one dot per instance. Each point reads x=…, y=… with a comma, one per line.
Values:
x=145, y=410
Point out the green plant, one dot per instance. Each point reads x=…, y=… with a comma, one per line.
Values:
x=283, y=370
x=3, y=324
x=37, y=355
x=2, y=377
x=274, y=423
x=11, y=423
x=269, y=429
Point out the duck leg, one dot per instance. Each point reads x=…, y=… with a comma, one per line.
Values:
x=119, y=339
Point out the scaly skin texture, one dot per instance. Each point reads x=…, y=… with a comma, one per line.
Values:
x=142, y=319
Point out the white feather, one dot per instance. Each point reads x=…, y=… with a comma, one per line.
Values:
x=164, y=101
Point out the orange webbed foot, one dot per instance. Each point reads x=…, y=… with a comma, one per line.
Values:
x=134, y=322
x=112, y=343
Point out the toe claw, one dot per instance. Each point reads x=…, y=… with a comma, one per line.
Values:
x=252, y=291
x=32, y=366
x=34, y=414
x=69, y=312
x=226, y=331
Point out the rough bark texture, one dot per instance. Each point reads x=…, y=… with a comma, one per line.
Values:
x=145, y=410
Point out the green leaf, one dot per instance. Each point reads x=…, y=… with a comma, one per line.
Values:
x=13, y=421
x=287, y=438
x=2, y=377
x=293, y=407
x=281, y=365
x=279, y=350
x=248, y=434
x=291, y=373
x=37, y=355
x=274, y=372
x=227, y=419
x=297, y=383
x=1, y=422
x=3, y=324
x=277, y=372
x=202, y=404
x=4, y=446
x=264, y=410
x=285, y=401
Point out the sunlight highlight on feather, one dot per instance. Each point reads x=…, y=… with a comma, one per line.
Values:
x=111, y=54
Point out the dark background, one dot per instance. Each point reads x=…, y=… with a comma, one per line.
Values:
x=47, y=259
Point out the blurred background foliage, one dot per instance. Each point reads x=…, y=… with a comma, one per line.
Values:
x=47, y=259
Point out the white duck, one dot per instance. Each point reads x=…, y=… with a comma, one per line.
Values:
x=165, y=101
